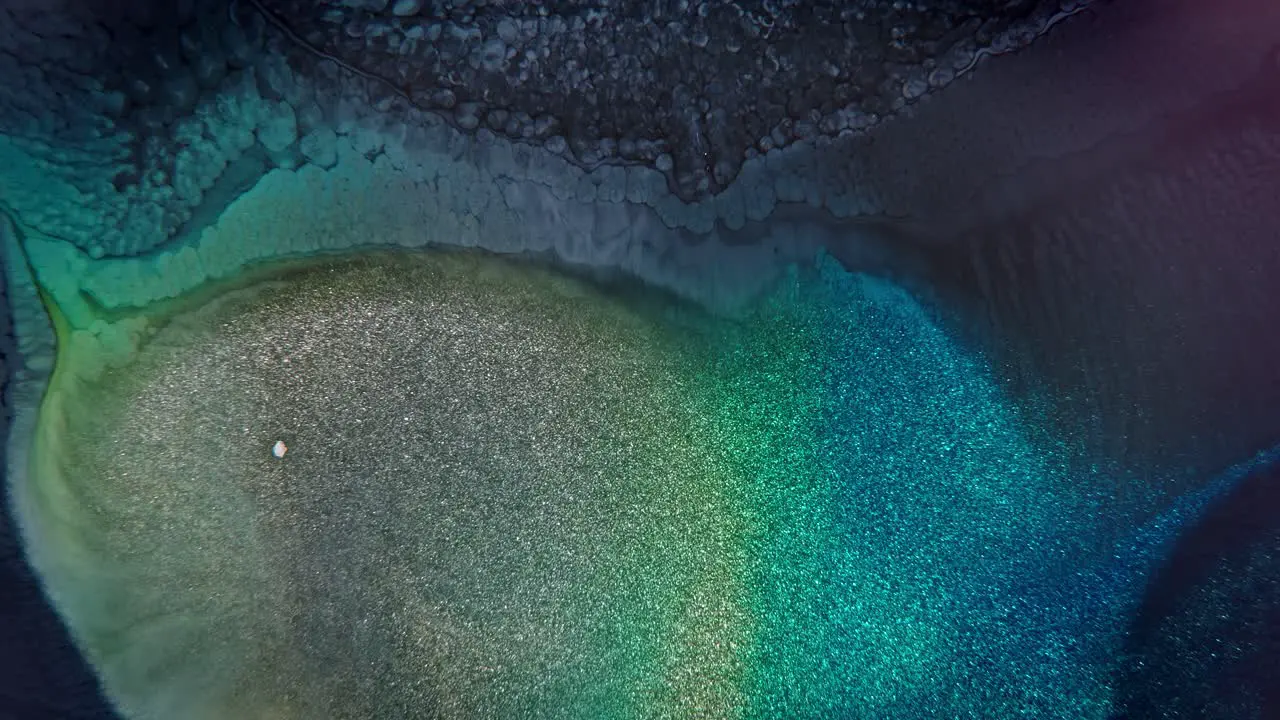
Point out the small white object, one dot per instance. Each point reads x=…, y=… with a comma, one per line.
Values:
x=279, y=449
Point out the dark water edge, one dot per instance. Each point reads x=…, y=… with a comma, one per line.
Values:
x=1205, y=638
x=42, y=676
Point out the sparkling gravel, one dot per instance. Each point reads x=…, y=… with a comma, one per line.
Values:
x=446, y=486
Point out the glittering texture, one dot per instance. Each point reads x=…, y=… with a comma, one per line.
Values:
x=907, y=523
x=495, y=502
x=507, y=493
